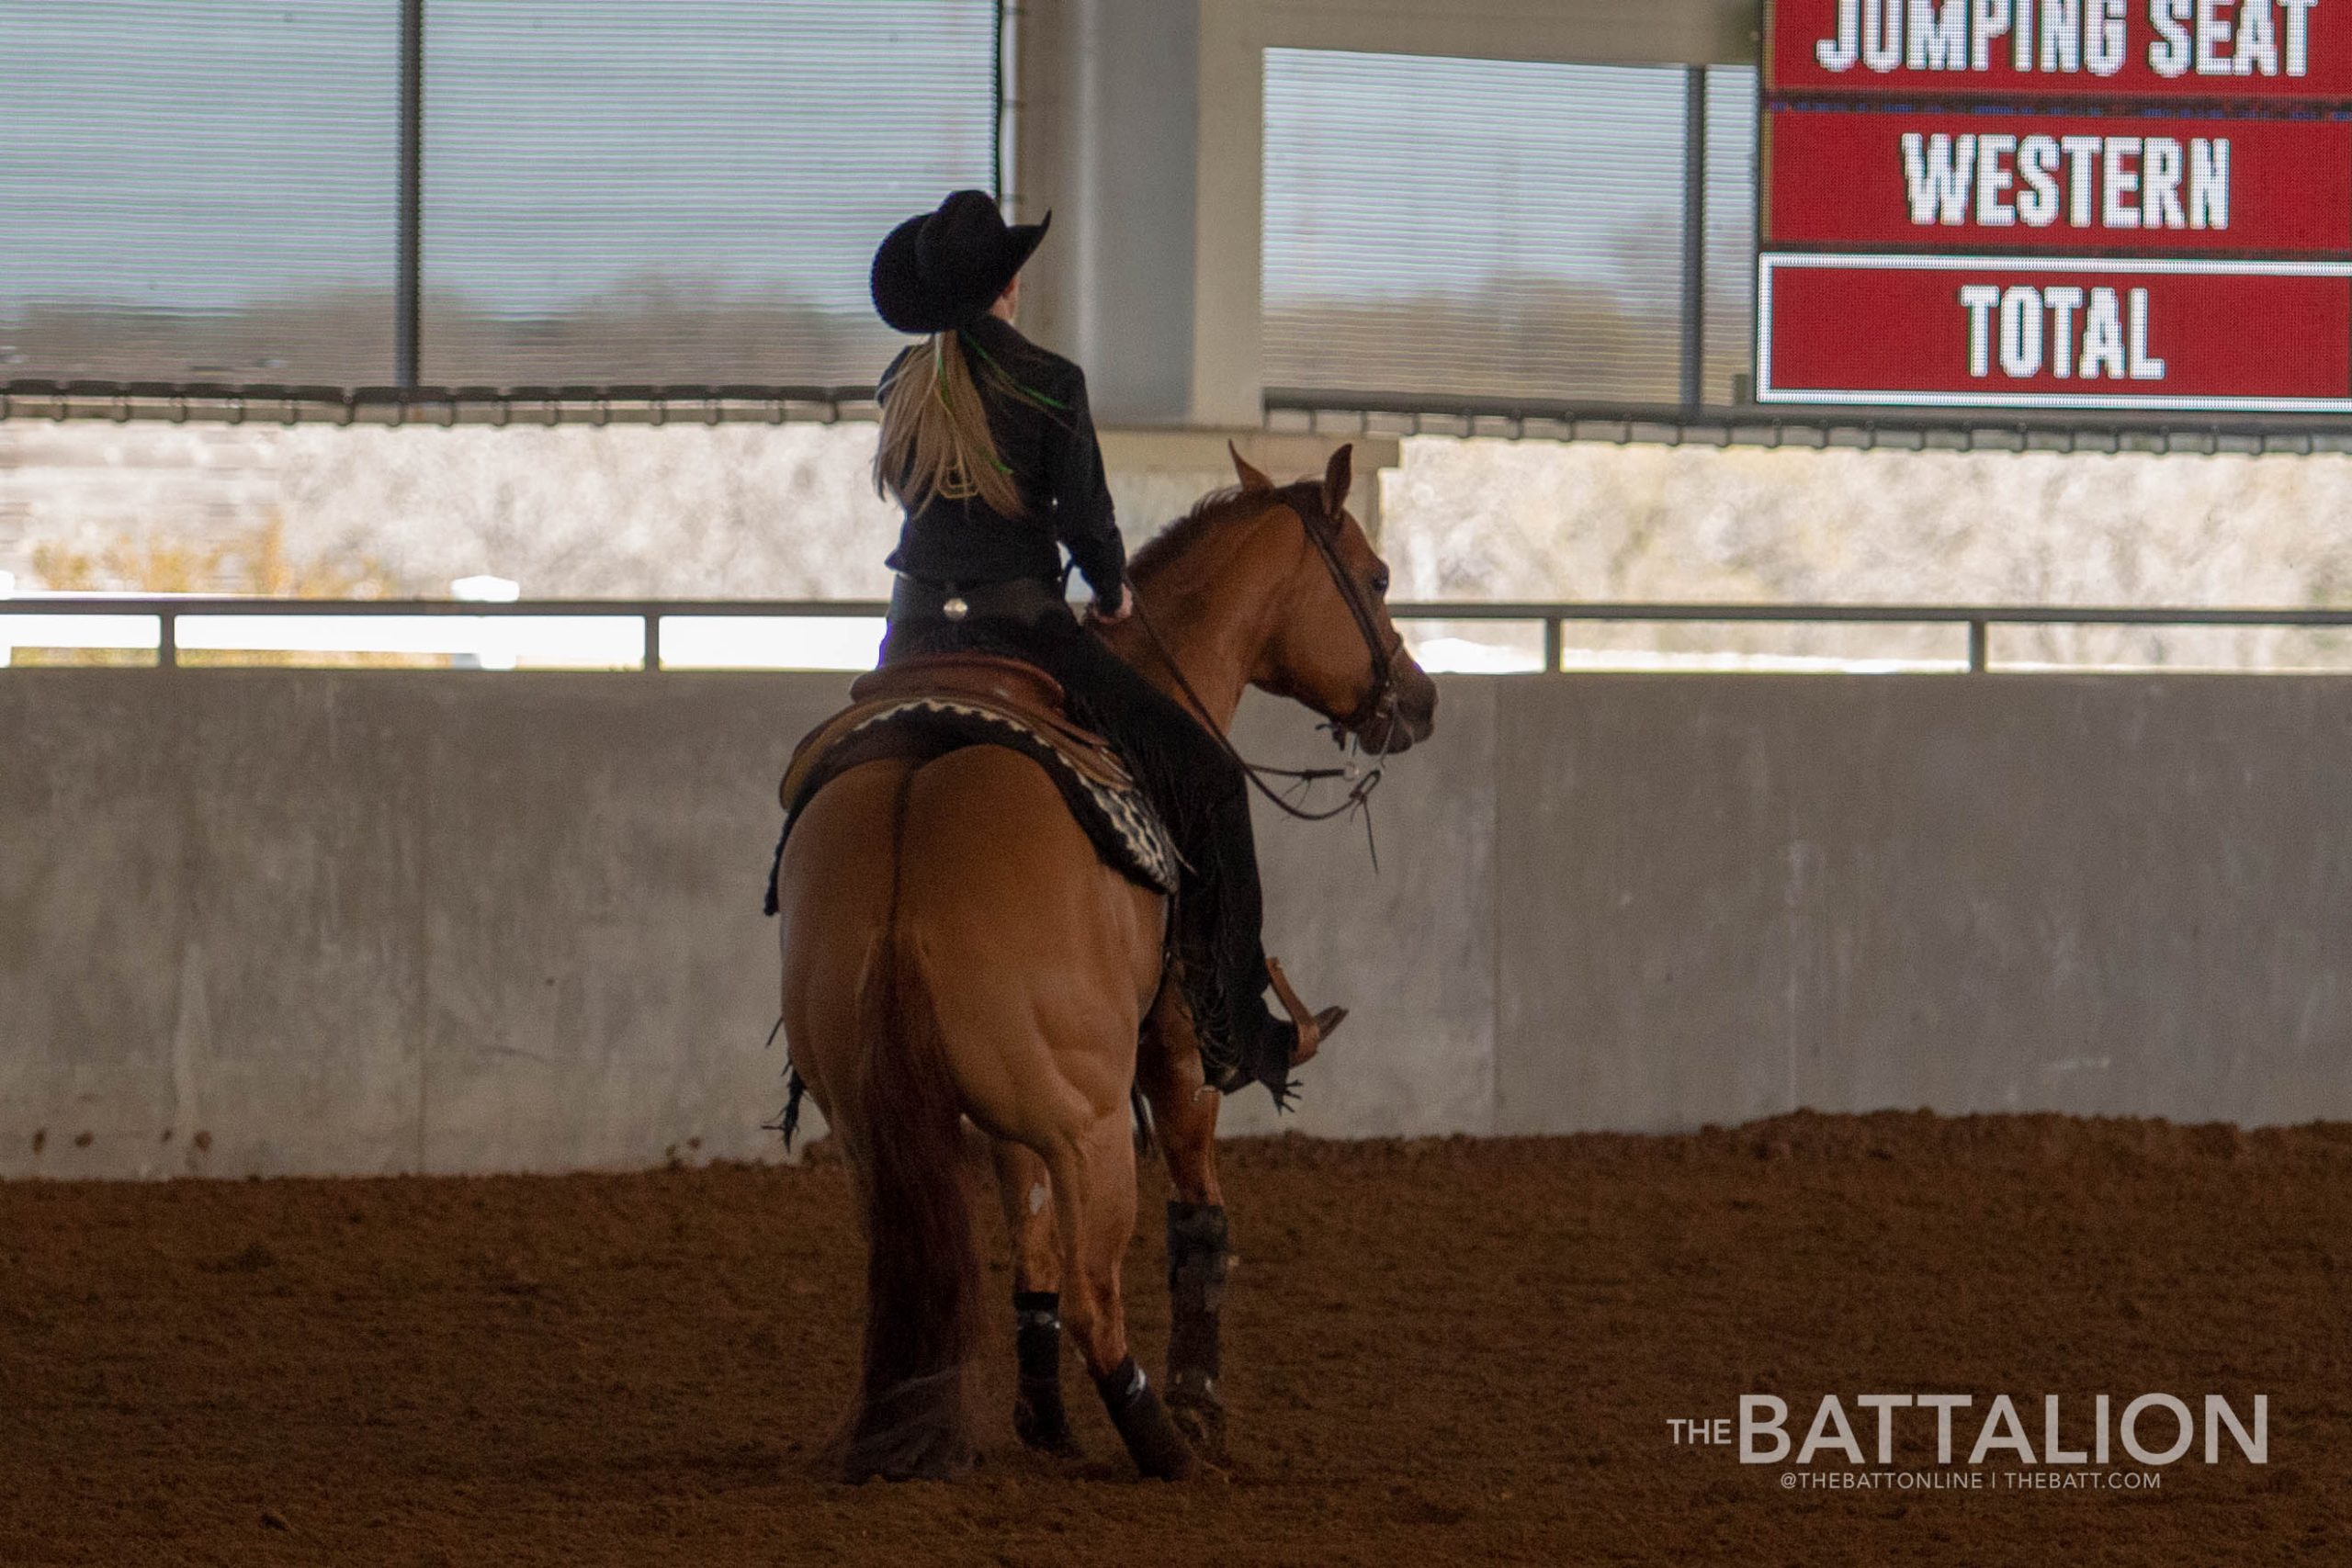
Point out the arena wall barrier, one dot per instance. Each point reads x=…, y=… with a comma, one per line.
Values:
x=264, y=922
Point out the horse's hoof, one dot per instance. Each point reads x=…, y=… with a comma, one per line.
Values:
x=1202, y=1423
x=1199, y=1414
x=1044, y=1425
x=944, y=1461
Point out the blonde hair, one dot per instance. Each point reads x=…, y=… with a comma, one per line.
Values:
x=936, y=438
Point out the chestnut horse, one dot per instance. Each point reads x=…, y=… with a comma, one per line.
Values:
x=954, y=950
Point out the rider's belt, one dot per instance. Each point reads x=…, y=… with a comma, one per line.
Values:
x=1027, y=600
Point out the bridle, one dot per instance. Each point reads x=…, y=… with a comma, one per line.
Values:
x=1379, y=702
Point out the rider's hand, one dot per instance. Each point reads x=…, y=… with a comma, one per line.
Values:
x=1120, y=611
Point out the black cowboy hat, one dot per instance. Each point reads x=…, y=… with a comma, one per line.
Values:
x=941, y=269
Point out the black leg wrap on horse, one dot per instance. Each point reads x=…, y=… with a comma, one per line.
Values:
x=1198, y=1259
x=1038, y=1334
x=1039, y=1413
x=1153, y=1442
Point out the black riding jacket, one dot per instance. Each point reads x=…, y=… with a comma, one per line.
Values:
x=1056, y=462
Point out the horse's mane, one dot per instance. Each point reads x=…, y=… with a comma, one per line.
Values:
x=1218, y=507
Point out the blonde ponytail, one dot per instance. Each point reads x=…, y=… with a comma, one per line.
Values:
x=935, y=439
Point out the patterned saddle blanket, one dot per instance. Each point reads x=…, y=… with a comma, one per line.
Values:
x=928, y=707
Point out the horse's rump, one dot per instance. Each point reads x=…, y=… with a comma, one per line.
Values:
x=974, y=870
x=1126, y=832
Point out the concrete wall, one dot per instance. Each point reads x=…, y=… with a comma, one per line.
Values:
x=267, y=921
x=1729, y=897
x=377, y=921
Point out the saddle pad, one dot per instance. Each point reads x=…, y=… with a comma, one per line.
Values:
x=1127, y=833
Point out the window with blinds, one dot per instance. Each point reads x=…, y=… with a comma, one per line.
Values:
x=613, y=192
x=198, y=190
x=619, y=192
x=1496, y=229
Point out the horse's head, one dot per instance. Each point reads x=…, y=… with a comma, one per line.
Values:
x=1333, y=647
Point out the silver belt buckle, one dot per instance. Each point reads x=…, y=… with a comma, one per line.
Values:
x=955, y=609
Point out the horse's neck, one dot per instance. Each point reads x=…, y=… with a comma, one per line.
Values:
x=1213, y=624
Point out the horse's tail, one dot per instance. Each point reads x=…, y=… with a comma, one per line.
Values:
x=922, y=1265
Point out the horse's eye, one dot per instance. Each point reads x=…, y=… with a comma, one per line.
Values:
x=1380, y=579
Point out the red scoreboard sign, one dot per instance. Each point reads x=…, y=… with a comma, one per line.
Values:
x=2176, y=50
x=1985, y=332
x=2043, y=182
x=1938, y=230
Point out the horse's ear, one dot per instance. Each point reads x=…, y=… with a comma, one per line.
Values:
x=1253, y=479
x=1335, y=480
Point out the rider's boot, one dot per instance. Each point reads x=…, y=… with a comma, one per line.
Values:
x=1265, y=1047
x=1307, y=1031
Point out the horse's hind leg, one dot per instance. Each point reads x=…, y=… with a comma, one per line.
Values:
x=1183, y=1114
x=1094, y=1207
x=1038, y=1414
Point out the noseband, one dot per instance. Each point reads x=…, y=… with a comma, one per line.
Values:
x=1379, y=702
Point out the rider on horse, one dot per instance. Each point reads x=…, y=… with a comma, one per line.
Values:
x=987, y=444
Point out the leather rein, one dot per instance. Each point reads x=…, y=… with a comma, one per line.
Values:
x=1380, y=702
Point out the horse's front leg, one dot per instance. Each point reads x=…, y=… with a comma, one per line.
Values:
x=1183, y=1113
x=1039, y=1413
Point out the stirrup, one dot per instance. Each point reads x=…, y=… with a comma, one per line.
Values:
x=1313, y=1028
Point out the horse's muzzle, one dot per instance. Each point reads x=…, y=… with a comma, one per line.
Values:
x=1407, y=718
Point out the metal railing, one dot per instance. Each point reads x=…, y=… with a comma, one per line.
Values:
x=169, y=611
x=1288, y=411
x=1980, y=619
x=120, y=402
x=1861, y=427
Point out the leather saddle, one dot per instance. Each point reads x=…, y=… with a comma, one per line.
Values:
x=945, y=684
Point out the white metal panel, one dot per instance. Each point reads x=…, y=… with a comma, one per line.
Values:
x=1624, y=32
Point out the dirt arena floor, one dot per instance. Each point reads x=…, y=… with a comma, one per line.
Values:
x=1436, y=1352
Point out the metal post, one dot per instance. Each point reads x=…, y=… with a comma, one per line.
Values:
x=167, y=641
x=1694, y=237
x=1551, y=645
x=1976, y=647
x=408, y=259
x=652, y=642
x=996, y=127
x=1010, y=17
